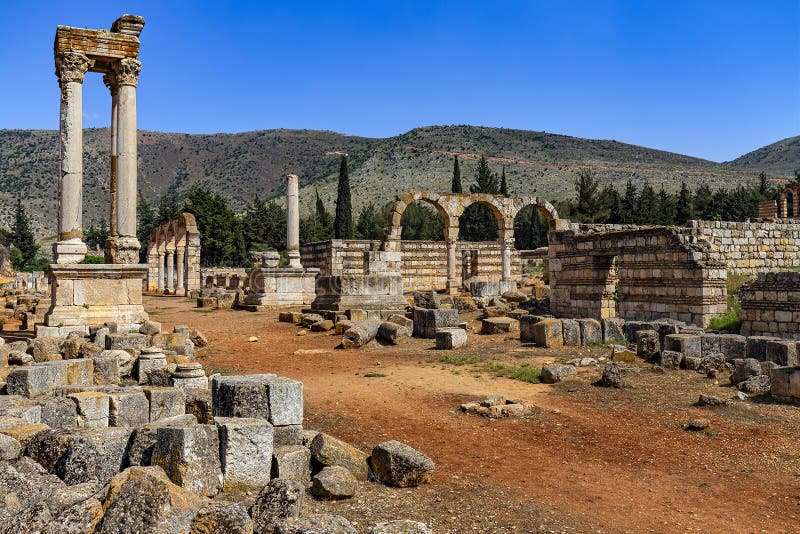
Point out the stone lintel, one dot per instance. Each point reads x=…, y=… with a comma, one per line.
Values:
x=102, y=47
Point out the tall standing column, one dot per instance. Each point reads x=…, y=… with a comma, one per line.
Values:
x=179, y=264
x=451, y=239
x=506, y=238
x=111, y=82
x=169, y=285
x=127, y=76
x=70, y=69
x=160, y=272
x=293, y=221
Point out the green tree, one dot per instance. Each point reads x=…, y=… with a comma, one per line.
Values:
x=146, y=220
x=586, y=186
x=323, y=217
x=264, y=226
x=666, y=213
x=371, y=222
x=421, y=223
x=455, y=185
x=478, y=223
x=763, y=185
x=648, y=203
x=169, y=206
x=343, y=221
x=503, y=183
x=22, y=238
x=95, y=236
x=684, y=209
x=221, y=238
x=704, y=203
x=629, y=206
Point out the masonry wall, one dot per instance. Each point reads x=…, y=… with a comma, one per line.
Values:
x=424, y=263
x=752, y=247
x=771, y=305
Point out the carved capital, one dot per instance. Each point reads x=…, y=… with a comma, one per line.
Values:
x=110, y=80
x=127, y=70
x=71, y=66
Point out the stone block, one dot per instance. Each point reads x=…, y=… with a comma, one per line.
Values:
x=291, y=462
x=315, y=523
x=126, y=341
x=402, y=320
x=290, y=317
x=785, y=384
x=128, y=407
x=690, y=345
x=571, y=332
x=426, y=322
x=287, y=435
x=399, y=465
x=548, y=333
x=613, y=329
x=44, y=349
x=393, y=333
x=150, y=359
x=150, y=328
x=59, y=412
x=648, y=346
x=450, y=338
x=757, y=347
x=106, y=370
x=165, y=402
x=22, y=407
x=327, y=451
x=591, y=331
x=324, y=325
x=782, y=352
x=671, y=359
x=190, y=457
x=92, y=407
x=278, y=500
x=227, y=517
x=125, y=360
x=620, y=353
x=245, y=450
x=241, y=396
x=554, y=372
x=334, y=483
x=189, y=376
x=143, y=438
x=499, y=325
x=198, y=403
x=35, y=380
x=285, y=401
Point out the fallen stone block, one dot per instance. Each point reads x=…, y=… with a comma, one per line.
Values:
x=328, y=451
x=315, y=523
x=755, y=385
x=342, y=326
x=128, y=407
x=92, y=407
x=671, y=359
x=285, y=401
x=307, y=319
x=290, y=317
x=744, y=369
x=612, y=376
x=499, y=325
x=402, y=320
x=591, y=331
x=613, y=329
x=450, y=338
x=757, y=347
x=245, y=450
x=333, y=483
x=125, y=360
x=287, y=435
x=199, y=404
x=620, y=353
x=397, y=464
x=325, y=325
x=143, y=439
x=554, y=373
x=291, y=462
x=785, y=384
x=22, y=407
x=359, y=334
x=44, y=349
x=690, y=345
x=547, y=333
x=227, y=517
x=106, y=370
x=10, y=449
x=190, y=457
x=124, y=341
x=165, y=402
x=571, y=332
x=731, y=345
x=241, y=396
x=426, y=322
x=278, y=500
x=58, y=412
x=35, y=380
x=393, y=333
x=151, y=358
x=188, y=376
x=782, y=352
x=150, y=328
x=648, y=346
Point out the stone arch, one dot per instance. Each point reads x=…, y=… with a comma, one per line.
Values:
x=542, y=205
x=394, y=227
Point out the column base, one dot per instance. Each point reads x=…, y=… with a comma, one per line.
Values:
x=69, y=251
x=125, y=250
x=294, y=259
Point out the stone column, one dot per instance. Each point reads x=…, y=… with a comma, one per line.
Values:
x=126, y=72
x=796, y=203
x=506, y=238
x=70, y=69
x=169, y=284
x=293, y=221
x=782, y=205
x=161, y=272
x=111, y=82
x=451, y=239
x=179, y=260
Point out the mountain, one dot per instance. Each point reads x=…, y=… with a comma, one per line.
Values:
x=243, y=165
x=782, y=157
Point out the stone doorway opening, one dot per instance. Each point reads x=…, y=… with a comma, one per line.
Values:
x=607, y=283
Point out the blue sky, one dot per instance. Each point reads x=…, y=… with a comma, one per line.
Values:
x=713, y=79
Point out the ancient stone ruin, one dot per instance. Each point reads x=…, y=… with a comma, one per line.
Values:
x=173, y=257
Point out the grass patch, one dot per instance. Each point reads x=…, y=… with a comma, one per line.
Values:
x=731, y=320
x=374, y=375
x=461, y=360
x=523, y=372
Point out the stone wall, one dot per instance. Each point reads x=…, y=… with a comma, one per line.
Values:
x=771, y=305
x=223, y=277
x=424, y=263
x=752, y=247
x=637, y=273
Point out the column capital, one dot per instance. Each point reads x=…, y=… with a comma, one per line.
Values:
x=71, y=66
x=110, y=81
x=126, y=71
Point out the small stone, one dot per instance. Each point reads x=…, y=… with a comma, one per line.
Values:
x=397, y=464
x=755, y=385
x=334, y=483
x=278, y=500
x=612, y=376
x=697, y=424
x=711, y=400
x=402, y=526
x=450, y=338
x=316, y=524
x=494, y=400
x=252, y=339
x=227, y=517
x=554, y=372
x=328, y=451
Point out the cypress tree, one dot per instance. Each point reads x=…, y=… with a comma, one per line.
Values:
x=22, y=236
x=666, y=208
x=648, y=204
x=503, y=184
x=322, y=215
x=684, y=211
x=343, y=221
x=455, y=185
x=478, y=222
x=628, y=214
x=586, y=186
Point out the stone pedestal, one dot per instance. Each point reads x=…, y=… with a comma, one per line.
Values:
x=274, y=287
x=378, y=291
x=86, y=295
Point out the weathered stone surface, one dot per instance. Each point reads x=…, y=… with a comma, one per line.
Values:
x=697, y=425
x=782, y=352
x=334, y=483
x=397, y=464
x=128, y=407
x=22, y=407
x=402, y=526
x=359, y=334
x=315, y=524
x=426, y=322
x=712, y=362
x=687, y=344
x=123, y=341
x=393, y=333
x=35, y=380
x=450, y=338
x=731, y=345
x=59, y=412
x=427, y=299
x=150, y=328
x=612, y=376
x=755, y=385
x=10, y=449
x=548, y=333
x=591, y=331
x=555, y=372
x=328, y=451
x=290, y=317
x=648, y=346
x=144, y=438
x=499, y=325
x=324, y=325
x=125, y=360
x=671, y=359
x=291, y=462
x=198, y=403
x=571, y=332
x=190, y=457
x=278, y=500
x=757, y=347
x=241, y=396
x=785, y=384
x=17, y=357
x=245, y=450
x=402, y=320
x=47, y=348
x=165, y=402
x=287, y=435
x=23, y=485
x=143, y=500
x=613, y=329
x=106, y=370
x=285, y=401
x=213, y=517
x=620, y=353
x=150, y=359
x=711, y=401
x=93, y=407
x=744, y=369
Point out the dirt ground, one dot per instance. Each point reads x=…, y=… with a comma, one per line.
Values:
x=589, y=459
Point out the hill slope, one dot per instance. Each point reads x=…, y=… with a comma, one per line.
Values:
x=240, y=166
x=782, y=157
